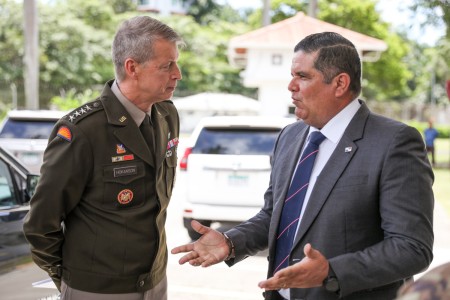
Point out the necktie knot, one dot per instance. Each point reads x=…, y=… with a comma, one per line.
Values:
x=146, y=121
x=316, y=137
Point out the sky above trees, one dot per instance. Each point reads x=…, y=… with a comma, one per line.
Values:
x=395, y=12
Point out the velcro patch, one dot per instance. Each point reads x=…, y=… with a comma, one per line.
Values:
x=65, y=133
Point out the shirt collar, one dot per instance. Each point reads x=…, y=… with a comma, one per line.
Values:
x=335, y=128
x=136, y=114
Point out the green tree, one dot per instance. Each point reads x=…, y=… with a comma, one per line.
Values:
x=430, y=8
x=385, y=79
x=74, y=51
x=204, y=61
x=436, y=67
x=75, y=48
x=11, y=41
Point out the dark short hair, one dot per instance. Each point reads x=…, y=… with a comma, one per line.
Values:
x=135, y=38
x=336, y=55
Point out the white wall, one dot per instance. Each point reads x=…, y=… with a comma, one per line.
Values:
x=270, y=78
x=275, y=99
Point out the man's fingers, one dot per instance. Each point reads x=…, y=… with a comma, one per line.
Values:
x=182, y=248
x=199, y=227
x=190, y=257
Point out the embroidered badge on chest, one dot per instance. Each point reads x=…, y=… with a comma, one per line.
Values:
x=120, y=149
x=125, y=196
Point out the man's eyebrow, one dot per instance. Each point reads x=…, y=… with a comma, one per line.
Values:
x=299, y=73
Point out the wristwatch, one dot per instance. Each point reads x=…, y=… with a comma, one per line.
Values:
x=331, y=283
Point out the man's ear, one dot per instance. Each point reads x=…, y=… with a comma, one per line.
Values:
x=130, y=66
x=342, y=83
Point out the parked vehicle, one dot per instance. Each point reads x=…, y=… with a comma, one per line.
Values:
x=227, y=168
x=25, y=134
x=17, y=185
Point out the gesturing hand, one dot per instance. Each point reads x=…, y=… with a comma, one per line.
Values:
x=309, y=272
x=211, y=248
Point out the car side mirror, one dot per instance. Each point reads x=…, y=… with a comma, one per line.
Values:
x=32, y=181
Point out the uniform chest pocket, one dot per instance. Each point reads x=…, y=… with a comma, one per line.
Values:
x=123, y=186
x=171, y=165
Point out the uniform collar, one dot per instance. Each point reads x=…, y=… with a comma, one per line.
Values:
x=136, y=114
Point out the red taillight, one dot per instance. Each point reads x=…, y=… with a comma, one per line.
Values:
x=184, y=159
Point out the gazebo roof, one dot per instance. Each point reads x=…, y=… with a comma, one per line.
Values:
x=287, y=33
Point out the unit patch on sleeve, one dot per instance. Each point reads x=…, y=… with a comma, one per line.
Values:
x=65, y=133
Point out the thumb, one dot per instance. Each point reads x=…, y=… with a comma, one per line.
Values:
x=310, y=252
x=197, y=226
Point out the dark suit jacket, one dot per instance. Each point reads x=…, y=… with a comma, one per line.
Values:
x=370, y=212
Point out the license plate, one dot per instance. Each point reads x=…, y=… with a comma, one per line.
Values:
x=237, y=180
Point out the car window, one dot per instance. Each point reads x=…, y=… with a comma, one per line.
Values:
x=7, y=197
x=27, y=129
x=232, y=141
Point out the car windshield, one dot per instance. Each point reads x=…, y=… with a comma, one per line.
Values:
x=27, y=129
x=259, y=141
x=7, y=198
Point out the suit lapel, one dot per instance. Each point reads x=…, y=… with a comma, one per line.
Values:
x=333, y=169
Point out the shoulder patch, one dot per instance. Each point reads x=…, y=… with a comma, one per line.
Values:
x=84, y=110
x=65, y=133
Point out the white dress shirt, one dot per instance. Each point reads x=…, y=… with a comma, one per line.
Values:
x=333, y=132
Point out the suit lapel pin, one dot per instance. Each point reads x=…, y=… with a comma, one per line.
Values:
x=122, y=119
x=348, y=149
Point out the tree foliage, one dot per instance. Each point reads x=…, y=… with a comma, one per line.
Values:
x=431, y=8
x=204, y=62
x=385, y=79
x=75, y=46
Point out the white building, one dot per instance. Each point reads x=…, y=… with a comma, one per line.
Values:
x=265, y=56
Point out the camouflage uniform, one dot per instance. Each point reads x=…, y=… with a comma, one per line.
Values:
x=434, y=285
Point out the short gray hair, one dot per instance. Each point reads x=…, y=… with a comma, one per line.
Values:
x=134, y=39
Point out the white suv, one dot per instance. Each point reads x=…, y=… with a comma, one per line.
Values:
x=227, y=165
x=25, y=134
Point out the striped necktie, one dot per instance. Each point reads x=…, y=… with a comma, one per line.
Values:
x=294, y=201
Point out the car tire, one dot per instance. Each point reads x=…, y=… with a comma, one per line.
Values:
x=194, y=235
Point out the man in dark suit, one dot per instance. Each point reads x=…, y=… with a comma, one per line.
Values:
x=97, y=219
x=365, y=225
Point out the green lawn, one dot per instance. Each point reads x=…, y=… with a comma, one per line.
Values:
x=442, y=150
x=441, y=187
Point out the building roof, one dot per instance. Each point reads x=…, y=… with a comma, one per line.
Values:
x=287, y=33
x=217, y=102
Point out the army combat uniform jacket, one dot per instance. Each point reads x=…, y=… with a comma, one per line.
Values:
x=110, y=193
